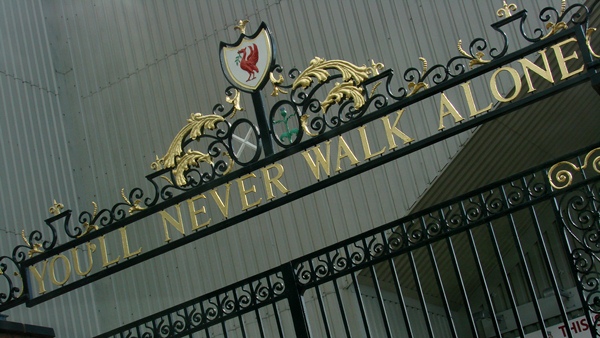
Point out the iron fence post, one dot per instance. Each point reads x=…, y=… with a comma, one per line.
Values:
x=263, y=125
x=294, y=296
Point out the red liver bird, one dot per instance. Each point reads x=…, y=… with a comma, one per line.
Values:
x=248, y=62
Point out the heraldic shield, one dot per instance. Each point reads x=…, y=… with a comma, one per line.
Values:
x=247, y=62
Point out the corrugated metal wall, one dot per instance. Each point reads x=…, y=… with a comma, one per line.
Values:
x=92, y=91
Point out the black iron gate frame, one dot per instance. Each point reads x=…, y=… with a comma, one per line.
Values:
x=289, y=282
x=576, y=208
x=24, y=262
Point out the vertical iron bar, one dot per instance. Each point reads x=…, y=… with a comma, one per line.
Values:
x=323, y=312
x=401, y=298
x=361, y=305
x=386, y=322
x=585, y=53
x=259, y=323
x=342, y=311
x=278, y=320
x=206, y=332
x=440, y=285
x=483, y=281
x=224, y=327
x=463, y=290
x=263, y=125
x=240, y=317
x=505, y=280
x=550, y=269
x=413, y=266
x=294, y=296
x=534, y=301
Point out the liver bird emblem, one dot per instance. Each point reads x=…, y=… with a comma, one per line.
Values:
x=247, y=62
x=247, y=59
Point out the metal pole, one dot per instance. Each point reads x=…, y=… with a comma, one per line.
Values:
x=294, y=296
x=263, y=125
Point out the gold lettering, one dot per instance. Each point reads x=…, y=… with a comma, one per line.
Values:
x=105, y=261
x=166, y=217
x=39, y=277
x=530, y=66
x=471, y=100
x=344, y=151
x=244, y=192
x=391, y=130
x=125, y=243
x=322, y=161
x=562, y=60
x=269, y=182
x=224, y=207
x=365, y=143
x=194, y=212
x=90, y=249
x=447, y=108
x=52, y=272
x=494, y=84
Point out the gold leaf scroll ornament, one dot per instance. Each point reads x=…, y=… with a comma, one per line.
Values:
x=33, y=249
x=87, y=227
x=588, y=36
x=554, y=28
x=352, y=75
x=135, y=206
x=415, y=87
x=564, y=177
x=176, y=158
x=475, y=60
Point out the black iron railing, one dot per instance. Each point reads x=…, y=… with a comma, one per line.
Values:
x=492, y=262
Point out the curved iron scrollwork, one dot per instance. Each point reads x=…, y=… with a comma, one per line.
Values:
x=307, y=113
x=11, y=280
x=580, y=215
x=421, y=228
x=204, y=149
x=211, y=309
x=562, y=174
x=356, y=93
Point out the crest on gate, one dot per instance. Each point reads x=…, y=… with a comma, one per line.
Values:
x=247, y=62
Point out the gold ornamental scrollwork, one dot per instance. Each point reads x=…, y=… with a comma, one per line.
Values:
x=352, y=76
x=135, y=206
x=477, y=59
x=554, y=28
x=562, y=178
x=234, y=100
x=341, y=91
x=588, y=37
x=87, y=227
x=195, y=127
x=36, y=248
x=415, y=87
x=276, y=82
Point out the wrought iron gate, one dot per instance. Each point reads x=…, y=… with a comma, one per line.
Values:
x=516, y=257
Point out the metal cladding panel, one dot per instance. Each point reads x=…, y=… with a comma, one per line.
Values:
x=36, y=166
x=97, y=89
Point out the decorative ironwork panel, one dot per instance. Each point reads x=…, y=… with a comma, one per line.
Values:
x=326, y=100
x=210, y=310
x=422, y=228
x=580, y=215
